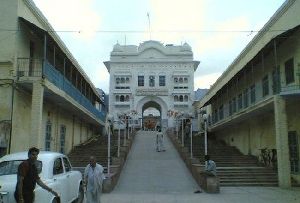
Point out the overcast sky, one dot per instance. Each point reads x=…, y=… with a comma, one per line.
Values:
x=217, y=30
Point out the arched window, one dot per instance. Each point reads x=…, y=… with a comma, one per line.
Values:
x=176, y=80
x=185, y=80
x=186, y=98
x=117, y=98
x=117, y=80
x=151, y=81
x=127, y=98
x=181, y=98
x=180, y=80
x=122, y=98
x=175, y=98
x=127, y=80
x=122, y=80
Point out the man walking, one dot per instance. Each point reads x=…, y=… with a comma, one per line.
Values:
x=93, y=178
x=28, y=177
x=160, y=141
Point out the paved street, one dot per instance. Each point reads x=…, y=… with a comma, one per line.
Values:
x=149, y=177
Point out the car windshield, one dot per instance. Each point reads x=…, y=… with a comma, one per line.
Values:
x=11, y=167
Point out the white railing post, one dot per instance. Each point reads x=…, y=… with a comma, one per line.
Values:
x=119, y=138
x=191, y=145
x=205, y=137
x=108, y=152
x=182, y=139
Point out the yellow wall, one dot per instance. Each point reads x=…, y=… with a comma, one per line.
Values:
x=251, y=135
x=293, y=113
x=56, y=115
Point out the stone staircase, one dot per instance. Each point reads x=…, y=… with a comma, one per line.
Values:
x=234, y=168
x=97, y=147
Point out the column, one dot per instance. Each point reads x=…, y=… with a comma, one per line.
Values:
x=36, y=116
x=281, y=128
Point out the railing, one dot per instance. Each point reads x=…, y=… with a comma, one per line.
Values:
x=37, y=68
x=29, y=67
x=231, y=108
x=61, y=82
x=290, y=89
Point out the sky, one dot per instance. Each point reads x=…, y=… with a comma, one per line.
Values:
x=217, y=30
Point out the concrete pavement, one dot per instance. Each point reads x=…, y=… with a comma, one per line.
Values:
x=149, y=177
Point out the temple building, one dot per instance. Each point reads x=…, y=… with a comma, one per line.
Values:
x=151, y=77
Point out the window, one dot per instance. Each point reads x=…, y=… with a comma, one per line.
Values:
x=294, y=151
x=245, y=98
x=62, y=138
x=57, y=167
x=265, y=86
x=181, y=98
x=230, y=108
x=151, y=81
x=221, y=112
x=252, y=94
x=140, y=81
x=240, y=102
x=276, y=81
x=162, y=80
x=216, y=115
x=233, y=105
x=122, y=98
x=67, y=164
x=48, y=136
x=186, y=98
x=122, y=80
x=176, y=98
x=11, y=167
x=185, y=80
x=289, y=71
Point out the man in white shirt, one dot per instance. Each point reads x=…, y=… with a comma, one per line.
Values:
x=93, y=179
x=160, y=140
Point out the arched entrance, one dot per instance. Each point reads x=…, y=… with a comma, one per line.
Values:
x=153, y=111
x=151, y=115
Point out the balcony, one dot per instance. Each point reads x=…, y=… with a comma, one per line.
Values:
x=29, y=69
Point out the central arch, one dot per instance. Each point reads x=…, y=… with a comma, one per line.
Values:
x=157, y=103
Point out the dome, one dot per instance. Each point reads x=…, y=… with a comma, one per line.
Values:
x=185, y=47
x=117, y=47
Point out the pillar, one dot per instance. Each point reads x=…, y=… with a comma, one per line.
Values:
x=281, y=128
x=36, y=116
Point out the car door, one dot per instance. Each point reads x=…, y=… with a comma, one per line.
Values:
x=61, y=180
x=72, y=179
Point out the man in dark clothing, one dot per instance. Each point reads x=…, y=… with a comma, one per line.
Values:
x=28, y=177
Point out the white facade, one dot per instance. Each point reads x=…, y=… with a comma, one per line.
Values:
x=151, y=75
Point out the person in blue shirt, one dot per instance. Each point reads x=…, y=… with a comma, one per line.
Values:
x=210, y=166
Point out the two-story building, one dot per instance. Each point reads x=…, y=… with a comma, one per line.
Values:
x=151, y=75
x=254, y=104
x=46, y=99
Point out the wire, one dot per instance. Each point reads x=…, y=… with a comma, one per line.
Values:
x=157, y=31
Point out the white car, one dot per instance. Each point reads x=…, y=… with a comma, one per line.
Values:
x=54, y=170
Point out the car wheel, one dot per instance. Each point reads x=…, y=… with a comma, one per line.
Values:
x=80, y=194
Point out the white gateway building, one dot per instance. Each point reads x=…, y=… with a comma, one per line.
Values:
x=151, y=79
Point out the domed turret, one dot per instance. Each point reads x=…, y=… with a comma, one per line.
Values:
x=117, y=48
x=185, y=47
